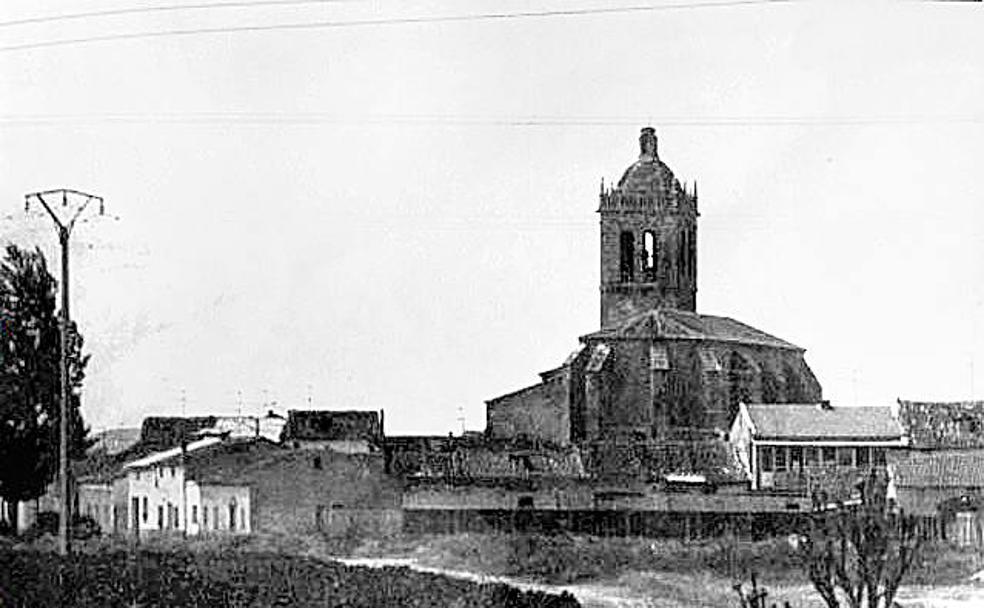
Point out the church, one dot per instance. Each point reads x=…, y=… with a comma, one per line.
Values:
x=656, y=370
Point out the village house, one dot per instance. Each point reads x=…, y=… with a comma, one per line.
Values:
x=227, y=477
x=940, y=478
x=806, y=447
x=103, y=484
x=349, y=432
x=945, y=489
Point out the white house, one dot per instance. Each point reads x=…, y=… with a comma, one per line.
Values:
x=163, y=495
x=794, y=447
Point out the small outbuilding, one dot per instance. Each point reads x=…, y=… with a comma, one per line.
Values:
x=807, y=447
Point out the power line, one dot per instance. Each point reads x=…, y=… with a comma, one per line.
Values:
x=310, y=25
x=162, y=8
x=302, y=118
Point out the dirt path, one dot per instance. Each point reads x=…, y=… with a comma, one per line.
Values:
x=658, y=590
x=590, y=596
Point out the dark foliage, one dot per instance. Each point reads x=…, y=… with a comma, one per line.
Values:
x=188, y=580
x=30, y=377
x=83, y=526
x=863, y=549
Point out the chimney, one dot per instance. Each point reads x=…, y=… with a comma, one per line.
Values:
x=647, y=145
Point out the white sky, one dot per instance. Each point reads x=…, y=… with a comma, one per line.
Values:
x=402, y=216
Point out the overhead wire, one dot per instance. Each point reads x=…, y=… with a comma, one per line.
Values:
x=313, y=118
x=323, y=24
x=164, y=8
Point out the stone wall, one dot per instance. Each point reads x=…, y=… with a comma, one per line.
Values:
x=628, y=397
x=540, y=412
x=293, y=492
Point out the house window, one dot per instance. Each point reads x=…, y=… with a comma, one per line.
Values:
x=780, y=458
x=845, y=457
x=795, y=458
x=205, y=518
x=864, y=456
x=215, y=517
x=878, y=457
x=194, y=514
x=317, y=462
x=766, y=463
x=232, y=515
x=160, y=517
x=829, y=456
x=146, y=509
x=810, y=456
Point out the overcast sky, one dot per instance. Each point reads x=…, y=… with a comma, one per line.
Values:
x=401, y=215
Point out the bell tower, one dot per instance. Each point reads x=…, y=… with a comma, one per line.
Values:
x=648, y=239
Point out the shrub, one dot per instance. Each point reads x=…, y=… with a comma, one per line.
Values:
x=237, y=579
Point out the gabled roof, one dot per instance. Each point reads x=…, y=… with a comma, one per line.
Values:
x=943, y=469
x=934, y=424
x=673, y=324
x=804, y=422
x=326, y=425
x=158, y=458
x=169, y=431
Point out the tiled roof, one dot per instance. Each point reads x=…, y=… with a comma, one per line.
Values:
x=944, y=469
x=332, y=425
x=682, y=325
x=958, y=424
x=810, y=421
x=158, y=458
x=461, y=462
x=169, y=431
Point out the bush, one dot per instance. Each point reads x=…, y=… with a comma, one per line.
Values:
x=228, y=578
x=83, y=526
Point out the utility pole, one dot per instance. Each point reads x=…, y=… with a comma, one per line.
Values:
x=64, y=222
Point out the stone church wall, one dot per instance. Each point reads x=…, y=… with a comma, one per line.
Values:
x=702, y=388
x=540, y=412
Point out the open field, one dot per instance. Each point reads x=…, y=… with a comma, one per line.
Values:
x=563, y=558
x=599, y=572
x=665, y=573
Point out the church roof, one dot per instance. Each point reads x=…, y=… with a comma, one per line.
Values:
x=814, y=422
x=646, y=175
x=674, y=324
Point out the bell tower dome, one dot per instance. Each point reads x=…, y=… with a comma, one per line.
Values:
x=648, y=239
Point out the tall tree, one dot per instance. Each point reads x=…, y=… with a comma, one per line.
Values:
x=860, y=552
x=30, y=351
